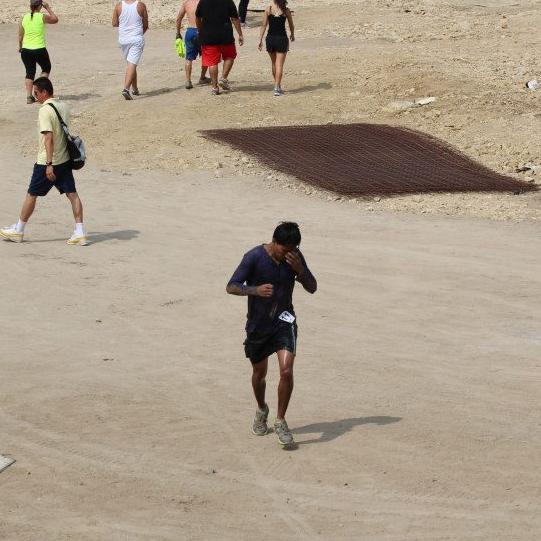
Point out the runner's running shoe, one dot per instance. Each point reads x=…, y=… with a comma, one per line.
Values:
x=260, y=428
x=285, y=437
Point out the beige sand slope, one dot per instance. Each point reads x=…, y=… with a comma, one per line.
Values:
x=125, y=397
x=348, y=65
x=126, y=400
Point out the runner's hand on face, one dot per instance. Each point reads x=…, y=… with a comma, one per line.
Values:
x=49, y=173
x=294, y=260
x=265, y=290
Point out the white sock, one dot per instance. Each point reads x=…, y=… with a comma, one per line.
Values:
x=79, y=229
x=20, y=226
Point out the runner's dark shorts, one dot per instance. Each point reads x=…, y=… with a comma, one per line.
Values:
x=40, y=184
x=277, y=44
x=31, y=57
x=259, y=346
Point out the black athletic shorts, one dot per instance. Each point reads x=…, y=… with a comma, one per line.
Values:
x=31, y=57
x=40, y=184
x=259, y=346
x=277, y=44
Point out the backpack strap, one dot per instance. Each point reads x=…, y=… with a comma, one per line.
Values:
x=64, y=126
x=62, y=123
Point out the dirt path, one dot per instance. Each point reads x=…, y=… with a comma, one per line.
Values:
x=126, y=400
x=125, y=395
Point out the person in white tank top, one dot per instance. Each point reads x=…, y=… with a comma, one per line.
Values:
x=131, y=19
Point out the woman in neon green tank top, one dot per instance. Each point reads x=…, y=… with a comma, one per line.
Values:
x=32, y=43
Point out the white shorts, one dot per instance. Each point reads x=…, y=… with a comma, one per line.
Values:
x=132, y=51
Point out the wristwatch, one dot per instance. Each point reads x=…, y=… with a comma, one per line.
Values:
x=48, y=163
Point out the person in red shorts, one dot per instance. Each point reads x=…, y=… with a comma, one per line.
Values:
x=215, y=20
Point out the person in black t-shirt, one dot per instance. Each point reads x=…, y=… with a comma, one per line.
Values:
x=267, y=275
x=215, y=20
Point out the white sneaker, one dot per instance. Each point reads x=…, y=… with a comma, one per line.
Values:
x=10, y=233
x=78, y=240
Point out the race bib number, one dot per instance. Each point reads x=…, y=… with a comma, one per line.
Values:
x=287, y=317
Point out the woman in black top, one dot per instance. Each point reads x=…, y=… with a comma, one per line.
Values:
x=277, y=42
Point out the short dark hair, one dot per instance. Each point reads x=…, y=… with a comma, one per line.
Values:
x=287, y=234
x=44, y=84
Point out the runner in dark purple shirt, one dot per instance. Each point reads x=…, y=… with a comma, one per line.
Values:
x=258, y=268
x=267, y=275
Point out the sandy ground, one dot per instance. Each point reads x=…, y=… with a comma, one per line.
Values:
x=350, y=62
x=125, y=395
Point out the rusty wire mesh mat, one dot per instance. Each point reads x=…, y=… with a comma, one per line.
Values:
x=366, y=159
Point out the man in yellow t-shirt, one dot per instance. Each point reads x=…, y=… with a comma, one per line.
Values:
x=52, y=168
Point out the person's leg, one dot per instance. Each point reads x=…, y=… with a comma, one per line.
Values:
x=203, y=75
x=213, y=70
x=279, y=69
x=229, y=53
x=30, y=67
x=134, y=86
x=76, y=207
x=188, y=70
x=44, y=62
x=243, y=10
x=15, y=233
x=210, y=58
x=27, y=210
x=285, y=386
x=228, y=64
x=259, y=382
x=78, y=237
x=29, y=83
x=130, y=75
x=39, y=185
x=273, y=64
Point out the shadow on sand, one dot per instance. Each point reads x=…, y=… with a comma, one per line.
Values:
x=79, y=97
x=268, y=87
x=94, y=238
x=157, y=92
x=330, y=430
x=126, y=234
